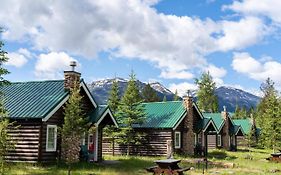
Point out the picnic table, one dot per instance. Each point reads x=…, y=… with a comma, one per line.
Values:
x=276, y=157
x=167, y=166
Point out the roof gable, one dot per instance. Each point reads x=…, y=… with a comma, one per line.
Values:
x=217, y=119
x=163, y=114
x=34, y=99
x=37, y=99
x=245, y=124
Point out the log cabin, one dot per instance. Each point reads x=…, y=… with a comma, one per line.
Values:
x=182, y=124
x=37, y=108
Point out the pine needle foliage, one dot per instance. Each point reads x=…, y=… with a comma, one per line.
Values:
x=75, y=124
x=130, y=113
x=149, y=94
x=207, y=99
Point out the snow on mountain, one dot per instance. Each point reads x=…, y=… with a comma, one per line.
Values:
x=227, y=96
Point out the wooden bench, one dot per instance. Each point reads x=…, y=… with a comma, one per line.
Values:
x=151, y=169
x=181, y=170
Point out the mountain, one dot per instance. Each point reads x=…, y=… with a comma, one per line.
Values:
x=230, y=97
x=227, y=96
x=101, y=88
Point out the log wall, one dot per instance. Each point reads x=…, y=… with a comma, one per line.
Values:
x=155, y=144
x=26, y=137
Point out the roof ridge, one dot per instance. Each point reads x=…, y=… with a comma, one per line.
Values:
x=39, y=81
x=161, y=102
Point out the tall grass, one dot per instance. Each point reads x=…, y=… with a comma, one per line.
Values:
x=130, y=165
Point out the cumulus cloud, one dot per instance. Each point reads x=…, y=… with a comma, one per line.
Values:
x=241, y=34
x=255, y=69
x=176, y=75
x=268, y=8
x=125, y=28
x=182, y=88
x=19, y=58
x=50, y=66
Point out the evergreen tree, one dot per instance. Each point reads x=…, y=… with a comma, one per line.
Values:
x=113, y=103
x=75, y=125
x=176, y=97
x=207, y=100
x=237, y=112
x=269, y=118
x=130, y=113
x=113, y=99
x=164, y=98
x=6, y=142
x=149, y=94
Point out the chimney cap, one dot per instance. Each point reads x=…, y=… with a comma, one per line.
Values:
x=73, y=64
x=224, y=108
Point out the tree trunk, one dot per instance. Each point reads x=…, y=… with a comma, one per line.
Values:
x=69, y=169
x=113, y=146
x=128, y=149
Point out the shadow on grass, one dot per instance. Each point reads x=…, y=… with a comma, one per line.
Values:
x=221, y=155
x=135, y=165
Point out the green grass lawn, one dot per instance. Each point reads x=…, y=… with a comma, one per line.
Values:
x=135, y=165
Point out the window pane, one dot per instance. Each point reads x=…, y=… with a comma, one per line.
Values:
x=51, y=138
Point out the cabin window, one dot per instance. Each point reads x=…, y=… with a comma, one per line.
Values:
x=51, y=141
x=83, y=139
x=195, y=138
x=219, y=140
x=177, y=139
x=199, y=138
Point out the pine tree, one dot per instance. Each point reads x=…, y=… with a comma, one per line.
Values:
x=114, y=99
x=176, y=97
x=6, y=142
x=130, y=113
x=149, y=94
x=237, y=112
x=207, y=100
x=113, y=103
x=164, y=98
x=75, y=124
x=269, y=119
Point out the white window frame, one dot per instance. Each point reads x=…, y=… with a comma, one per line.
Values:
x=199, y=138
x=195, y=138
x=55, y=138
x=83, y=139
x=219, y=140
x=179, y=141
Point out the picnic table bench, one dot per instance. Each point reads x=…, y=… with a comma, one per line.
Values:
x=167, y=166
x=276, y=157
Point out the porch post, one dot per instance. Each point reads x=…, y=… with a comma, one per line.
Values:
x=96, y=144
x=206, y=143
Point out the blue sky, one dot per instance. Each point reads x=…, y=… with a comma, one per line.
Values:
x=170, y=41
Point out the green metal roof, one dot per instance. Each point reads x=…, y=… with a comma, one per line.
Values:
x=97, y=113
x=244, y=123
x=216, y=117
x=202, y=124
x=33, y=99
x=162, y=114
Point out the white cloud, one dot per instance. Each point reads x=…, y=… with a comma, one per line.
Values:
x=241, y=34
x=176, y=75
x=18, y=58
x=50, y=66
x=182, y=88
x=246, y=64
x=125, y=28
x=268, y=8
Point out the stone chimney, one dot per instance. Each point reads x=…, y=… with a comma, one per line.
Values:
x=253, y=121
x=225, y=129
x=188, y=133
x=71, y=78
